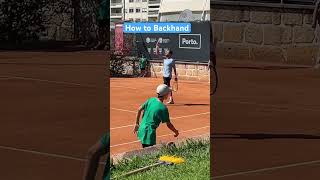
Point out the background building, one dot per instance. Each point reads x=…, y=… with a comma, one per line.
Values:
x=157, y=10
x=134, y=10
x=153, y=10
x=116, y=11
x=170, y=10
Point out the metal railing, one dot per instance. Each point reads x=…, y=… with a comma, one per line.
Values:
x=116, y=4
x=153, y=12
x=154, y=2
x=116, y=14
x=295, y=4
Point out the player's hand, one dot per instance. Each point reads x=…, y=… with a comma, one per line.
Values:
x=136, y=128
x=176, y=134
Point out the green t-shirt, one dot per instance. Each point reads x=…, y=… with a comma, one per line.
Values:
x=155, y=112
x=142, y=62
x=105, y=141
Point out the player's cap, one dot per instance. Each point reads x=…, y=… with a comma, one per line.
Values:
x=163, y=90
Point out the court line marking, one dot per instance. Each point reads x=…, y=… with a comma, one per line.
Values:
x=49, y=81
x=45, y=154
x=124, y=110
x=180, y=117
x=132, y=142
x=191, y=115
x=280, y=108
x=125, y=87
x=120, y=127
x=267, y=169
x=155, y=80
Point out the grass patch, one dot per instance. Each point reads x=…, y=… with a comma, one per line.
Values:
x=196, y=166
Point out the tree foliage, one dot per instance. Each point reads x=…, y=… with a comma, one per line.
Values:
x=26, y=19
x=21, y=19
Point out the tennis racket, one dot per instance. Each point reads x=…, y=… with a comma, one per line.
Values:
x=175, y=85
x=214, y=81
x=212, y=66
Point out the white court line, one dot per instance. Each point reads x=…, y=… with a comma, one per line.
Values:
x=49, y=81
x=131, y=125
x=124, y=87
x=155, y=81
x=124, y=110
x=199, y=114
x=267, y=169
x=45, y=154
x=132, y=142
x=120, y=127
x=280, y=108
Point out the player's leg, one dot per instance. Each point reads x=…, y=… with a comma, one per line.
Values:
x=165, y=81
x=93, y=157
x=171, y=101
x=143, y=73
x=140, y=75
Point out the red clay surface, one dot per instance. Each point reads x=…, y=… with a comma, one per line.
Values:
x=53, y=108
x=190, y=113
x=266, y=122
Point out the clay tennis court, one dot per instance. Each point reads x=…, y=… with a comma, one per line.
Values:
x=266, y=122
x=190, y=114
x=53, y=108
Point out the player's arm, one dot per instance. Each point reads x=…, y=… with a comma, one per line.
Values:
x=140, y=109
x=173, y=129
x=175, y=71
x=93, y=156
x=165, y=119
x=136, y=126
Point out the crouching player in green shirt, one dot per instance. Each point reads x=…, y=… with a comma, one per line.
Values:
x=154, y=113
x=101, y=148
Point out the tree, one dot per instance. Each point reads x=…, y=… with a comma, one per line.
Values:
x=21, y=20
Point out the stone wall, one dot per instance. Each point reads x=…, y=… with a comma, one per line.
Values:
x=60, y=28
x=265, y=34
x=193, y=72
x=186, y=71
x=198, y=72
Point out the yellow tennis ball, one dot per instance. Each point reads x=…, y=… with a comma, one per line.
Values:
x=172, y=159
